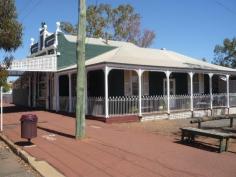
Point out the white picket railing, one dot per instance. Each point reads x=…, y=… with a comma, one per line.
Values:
x=152, y=104
x=64, y=103
x=41, y=63
x=232, y=99
x=129, y=105
x=201, y=101
x=96, y=106
x=180, y=102
x=219, y=100
x=123, y=105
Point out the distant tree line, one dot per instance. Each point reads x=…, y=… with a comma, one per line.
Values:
x=225, y=54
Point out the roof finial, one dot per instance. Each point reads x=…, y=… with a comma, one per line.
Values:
x=58, y=27
x=32, y=41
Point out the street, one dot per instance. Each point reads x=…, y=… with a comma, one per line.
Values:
x=12, y=166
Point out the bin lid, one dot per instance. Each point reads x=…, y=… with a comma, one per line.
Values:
x=29, y=117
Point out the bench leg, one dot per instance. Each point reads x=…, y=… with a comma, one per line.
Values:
x=231, y=122
x=192, y=138
x=199, y=125
x=227, y=144
x=182, y=136
x=222, y=147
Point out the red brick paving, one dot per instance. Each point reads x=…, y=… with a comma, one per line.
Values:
x=110, y=150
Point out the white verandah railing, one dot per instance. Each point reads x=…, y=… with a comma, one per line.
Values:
x=154, y=104
x=64, y=103
x=96, y=106
x=41, y=63
x=219, y=100
x=123, y=105
x=232, y=99
x=180, y=102
x=201, y=101
x=129, y=105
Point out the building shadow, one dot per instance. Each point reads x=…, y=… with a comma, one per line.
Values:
x=18, y=109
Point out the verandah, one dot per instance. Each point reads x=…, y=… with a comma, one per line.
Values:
x=108, y=105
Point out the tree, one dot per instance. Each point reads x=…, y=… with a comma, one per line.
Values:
x=225, y=54
x=10, y=35
x=80, y=52
x=121, y=23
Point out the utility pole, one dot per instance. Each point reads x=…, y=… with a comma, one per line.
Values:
x=81, y=76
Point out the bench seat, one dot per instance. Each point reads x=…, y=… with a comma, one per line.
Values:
x=189, y=134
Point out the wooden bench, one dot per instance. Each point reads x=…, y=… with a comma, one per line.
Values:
x=189, y=134
x=199, y=120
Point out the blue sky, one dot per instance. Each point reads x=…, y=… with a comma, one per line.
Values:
x=189, y=27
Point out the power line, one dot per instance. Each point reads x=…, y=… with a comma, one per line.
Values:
x=225, y=7
x=31, y=10
x=25, y=6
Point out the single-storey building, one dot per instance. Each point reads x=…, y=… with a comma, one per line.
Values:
x=123, y=81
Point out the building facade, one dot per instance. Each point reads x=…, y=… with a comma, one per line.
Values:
x=122, y=80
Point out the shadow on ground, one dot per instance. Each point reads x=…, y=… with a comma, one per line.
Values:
x=199, y=145
x=56, y=132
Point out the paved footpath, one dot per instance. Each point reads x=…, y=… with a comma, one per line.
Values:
x=13, y=166
x=114, y=151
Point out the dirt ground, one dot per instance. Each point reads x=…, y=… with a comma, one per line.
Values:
x=144, y=149
x=171, y=129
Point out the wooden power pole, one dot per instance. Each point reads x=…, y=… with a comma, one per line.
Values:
x=81, y=76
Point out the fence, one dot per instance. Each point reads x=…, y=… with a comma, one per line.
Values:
x=154, y=104
x=201, y=101
x=180, y=102
x=7, y=98
x=232, y=99
x=129, y=105
x=96, y=106
x=64, y=103
x=123, y=105
x=219, y=100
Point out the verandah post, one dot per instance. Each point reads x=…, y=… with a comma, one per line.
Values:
x=47, y=90
x=56, y=92
x=227, y=88
x=34, y=89
x=106, y=72
x=191, y=91
x=140, y=72
x=168, y=90
x=210, y=91
x=70, y=96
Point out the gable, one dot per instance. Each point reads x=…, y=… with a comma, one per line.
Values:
x=67, y=51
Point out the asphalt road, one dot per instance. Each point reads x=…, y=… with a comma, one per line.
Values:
x=12, y=166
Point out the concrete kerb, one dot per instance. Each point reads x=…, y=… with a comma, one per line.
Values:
x=42, y=167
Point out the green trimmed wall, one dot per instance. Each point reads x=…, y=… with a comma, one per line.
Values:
x=67, y=51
